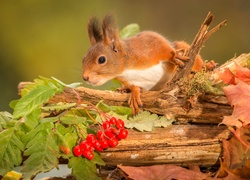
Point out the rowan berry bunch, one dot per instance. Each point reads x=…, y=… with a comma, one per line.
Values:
x=108, y=136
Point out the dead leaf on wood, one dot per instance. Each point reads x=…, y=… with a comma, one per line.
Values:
x=227, y=77
x=236, y=155
x=163, y=172
x=239, y=97
x=241, y=74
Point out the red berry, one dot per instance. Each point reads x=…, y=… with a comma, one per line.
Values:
x=88, y=154
x=113, y=142
x=109, y=133
x=97, y=146
x=86, y=146
x=65, y=149
x=91, y=138
x=104, y=143
x=112, y=120
x=106, y=124
x=119, y=124
x=122, y=134
x=77, y=151
x=100, y=134
x=115, y=131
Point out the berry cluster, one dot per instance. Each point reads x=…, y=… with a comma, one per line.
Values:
x=112, y=131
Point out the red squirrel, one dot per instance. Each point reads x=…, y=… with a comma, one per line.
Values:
x=145, y=61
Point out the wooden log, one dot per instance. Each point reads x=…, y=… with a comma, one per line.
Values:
x=178, y=144
x=210, y=110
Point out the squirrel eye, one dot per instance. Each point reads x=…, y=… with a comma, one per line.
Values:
x=101, y=60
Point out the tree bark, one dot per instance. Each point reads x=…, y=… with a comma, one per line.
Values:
x=178, y=145
x=210, y=110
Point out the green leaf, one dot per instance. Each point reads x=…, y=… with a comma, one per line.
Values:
x=10, y=150
x=5, y=118
x=34, y=99
x=59, y=107
x=71, y=139
x=31, y=134
x=145, y=121
x=48, y=119
x=60, y=140
x=121, y=110
x=129, y=30
x=163, y=122
x=64, y=130
x=30, y=121
x=42, y=81
x=13, y=103
x=104, y=107
x=72, y=120
x=73, y=85
x=83, y=168
x=98, y=160
x=42, y=151
x=66, y=140
x=57, y=87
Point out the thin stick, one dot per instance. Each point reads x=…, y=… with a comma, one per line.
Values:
x=198, y=42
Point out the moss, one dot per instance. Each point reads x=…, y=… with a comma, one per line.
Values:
x=199, y=83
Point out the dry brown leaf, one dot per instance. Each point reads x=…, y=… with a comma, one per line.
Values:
x=236, y=154
x=242, y=73
x=239, y=97
x=227, y=77
x=163, y=172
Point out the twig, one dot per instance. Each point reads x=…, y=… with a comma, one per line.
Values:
x=198, y=42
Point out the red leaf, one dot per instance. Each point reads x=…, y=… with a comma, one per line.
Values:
x=236, y=154
x=227, y=77
x=162, y=172
x=242, y=73
x=239, y=97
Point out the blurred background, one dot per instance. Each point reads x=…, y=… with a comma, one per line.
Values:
x=49, y=37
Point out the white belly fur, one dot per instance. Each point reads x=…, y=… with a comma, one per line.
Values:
x=146, y=78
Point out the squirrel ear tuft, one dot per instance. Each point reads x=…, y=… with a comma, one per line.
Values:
x=110, y=31
x=94, y=30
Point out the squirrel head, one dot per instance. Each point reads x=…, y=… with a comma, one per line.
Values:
x=105, y=59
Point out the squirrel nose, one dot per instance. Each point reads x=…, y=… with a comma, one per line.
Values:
x=85, y=78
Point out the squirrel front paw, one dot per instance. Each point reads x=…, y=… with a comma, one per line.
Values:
x=135, y=102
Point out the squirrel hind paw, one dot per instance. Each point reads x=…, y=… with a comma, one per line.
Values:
x=181, y=57
x=179, y=63
x=211, y=65
x=178, y=58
